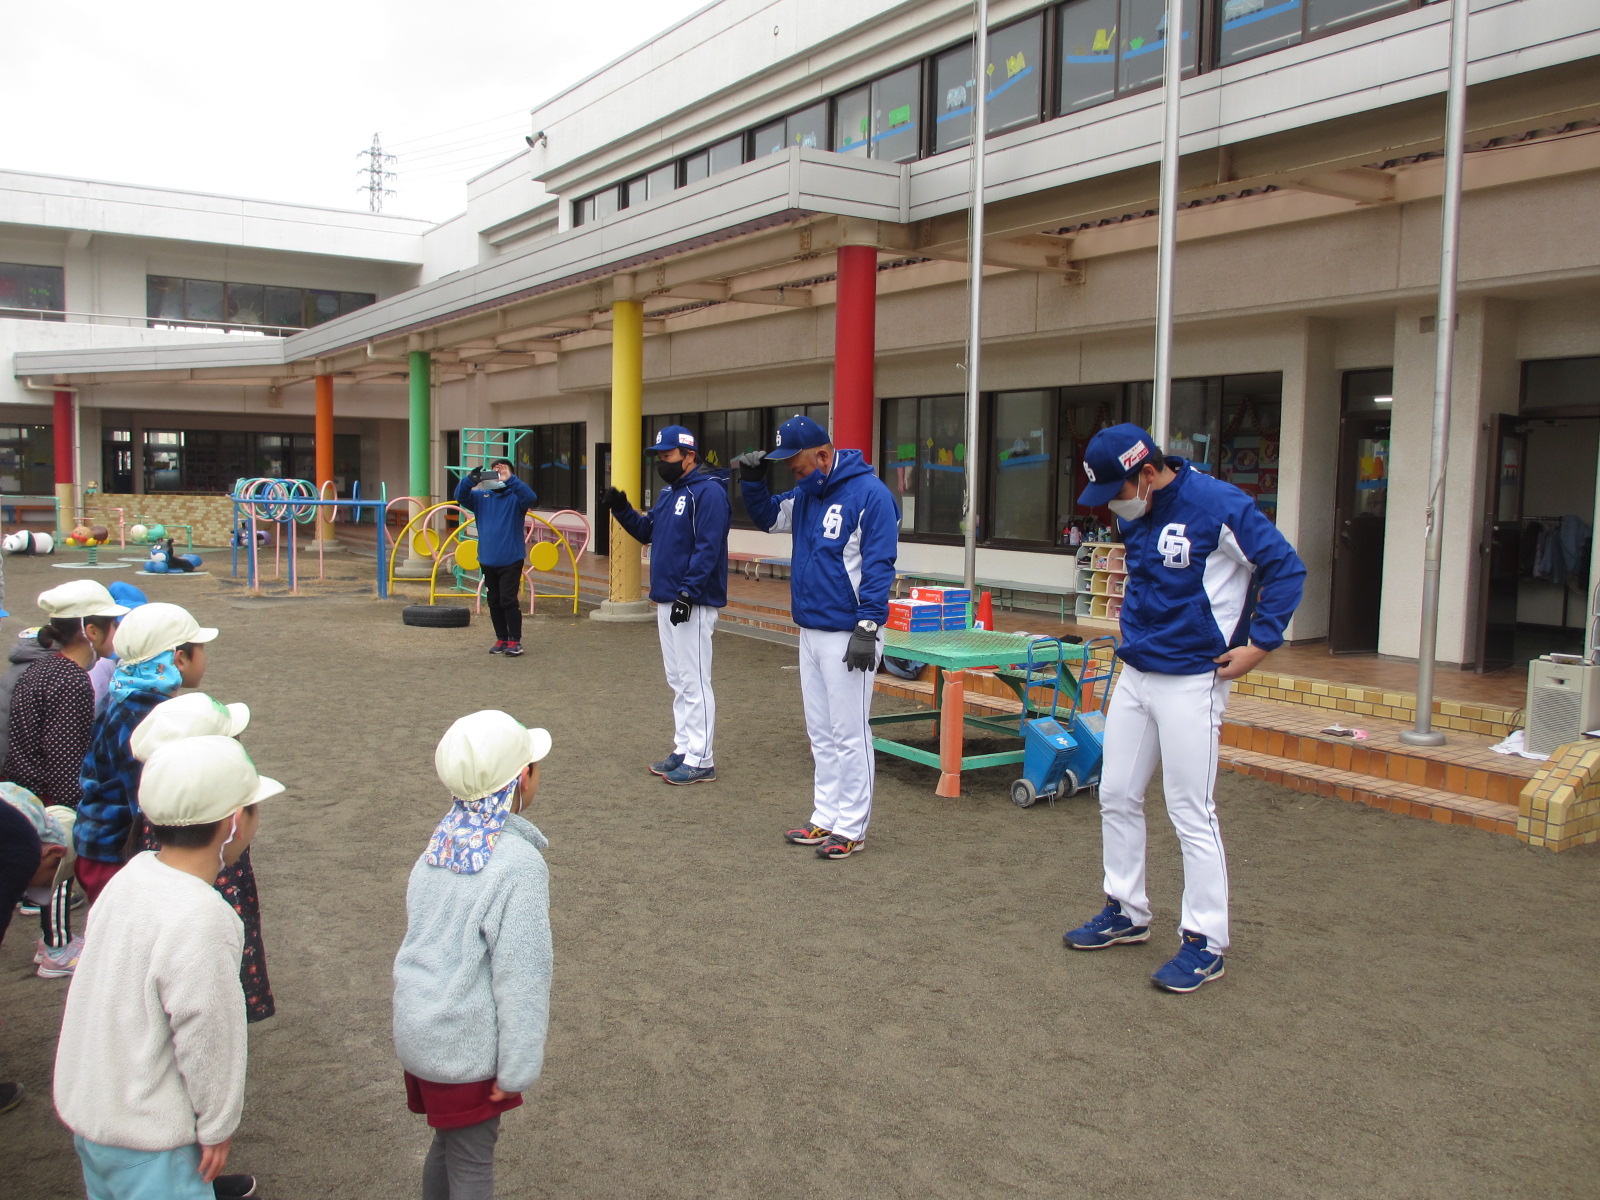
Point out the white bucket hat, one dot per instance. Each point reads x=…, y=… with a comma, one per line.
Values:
x=81, y=598
x=484, y=751
x=155, y=628
x=200, y=779
x=193, y=714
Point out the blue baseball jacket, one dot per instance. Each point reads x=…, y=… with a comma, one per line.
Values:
x=845, y=542
x=688, y=530
x=502, y=540
x=1206, y=572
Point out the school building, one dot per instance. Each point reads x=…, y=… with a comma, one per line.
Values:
x=764, y=210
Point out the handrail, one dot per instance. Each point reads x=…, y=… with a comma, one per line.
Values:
x=127, y=320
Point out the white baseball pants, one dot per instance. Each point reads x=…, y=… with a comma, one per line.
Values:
x=838, y=703
x=1178, y=719
x=686, y=656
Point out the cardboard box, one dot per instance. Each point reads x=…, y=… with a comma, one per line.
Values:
x=941, y=595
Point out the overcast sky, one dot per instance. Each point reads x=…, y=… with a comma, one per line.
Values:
x=275, y=101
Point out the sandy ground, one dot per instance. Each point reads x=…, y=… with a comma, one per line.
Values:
x=1409, y=1010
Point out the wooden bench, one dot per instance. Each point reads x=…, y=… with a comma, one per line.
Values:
x=1004, y=590
x=754, y=562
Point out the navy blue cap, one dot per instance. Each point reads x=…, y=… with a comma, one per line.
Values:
x=673, y=437
x=798, y=433
x=1111, y=456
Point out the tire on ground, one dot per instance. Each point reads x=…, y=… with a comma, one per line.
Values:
x=436, y=616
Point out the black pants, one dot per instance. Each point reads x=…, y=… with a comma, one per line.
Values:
x=500, y=584
x=19, y=859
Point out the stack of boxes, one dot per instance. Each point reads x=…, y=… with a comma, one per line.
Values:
x=930, y=610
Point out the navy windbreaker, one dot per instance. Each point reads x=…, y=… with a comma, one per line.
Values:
x=1206, y=572
x=845, y=542
x=687, y=531
x=502, y=536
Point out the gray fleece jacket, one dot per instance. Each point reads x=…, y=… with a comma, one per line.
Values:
x=472, y=979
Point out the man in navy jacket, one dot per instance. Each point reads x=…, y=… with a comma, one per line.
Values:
x=1211, y=585
x=687, y=528
x=500, y=503
x=846, y=535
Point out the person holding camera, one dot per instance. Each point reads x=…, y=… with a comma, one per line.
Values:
x=500, y=503
x=688, y=528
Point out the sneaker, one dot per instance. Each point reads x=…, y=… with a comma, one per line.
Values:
x=10, y=1096
x=499, y=647
x=1192, y=966
x=512, y=650
x=234, y=1187
x=807, y=835
x=38, y=951
x=58, y=964
x=686, y=774
x=839, y=847
x=27, y=907
x=667, y=765
x=1110, y=928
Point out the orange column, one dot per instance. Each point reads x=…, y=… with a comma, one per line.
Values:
x=952, y=731
x=324, y=441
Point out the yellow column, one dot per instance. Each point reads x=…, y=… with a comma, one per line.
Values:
x=627, y=456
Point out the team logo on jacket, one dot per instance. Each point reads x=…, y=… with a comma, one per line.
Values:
x=1174, y=546
x=833, y=521
x=679, y=507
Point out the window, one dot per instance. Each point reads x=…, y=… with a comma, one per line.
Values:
x=1247, y=28
x=924, y=462
x=771, y=138
x=27, y=460
x=116, y=460
x=1326, y=16
x=1252, y=415
x=209, y=461
x=1023, y=425
x=27, y=290
x=1142, y=41
x=553, y=460
x=1113, y=47
x=726, y=435
x=852, y=122
x=1081, y=413
x=605, y=204
x=1015, y=81
x=662, y=180
x=952, y=98
x=249, y=307
x=582, y=211
x=696, y=167
x=727, y=154
x=635, y=191
x=808, y=128
x=896, y=102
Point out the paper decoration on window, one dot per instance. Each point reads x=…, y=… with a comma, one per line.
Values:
x=1016, y=64
x=900, y=116
x=1102, y=40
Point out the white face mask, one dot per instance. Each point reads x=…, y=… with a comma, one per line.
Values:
x=1131, y=510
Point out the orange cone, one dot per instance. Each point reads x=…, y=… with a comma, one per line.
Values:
x=985, y=617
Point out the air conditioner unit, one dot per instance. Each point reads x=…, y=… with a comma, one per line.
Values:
x=1563, y=701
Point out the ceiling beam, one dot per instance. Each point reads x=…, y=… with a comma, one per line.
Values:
x=776, y=297
x=1361, y=184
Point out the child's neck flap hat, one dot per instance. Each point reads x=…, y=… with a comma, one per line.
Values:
x=193, y=714
x=484, y=751
x=200, y=779
x=155, y=628
x=80, y=598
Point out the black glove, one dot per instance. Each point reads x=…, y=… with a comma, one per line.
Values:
x=680, y=609
x=474, y=475
x=752, y=466
x=614, y=500
x=862, y=652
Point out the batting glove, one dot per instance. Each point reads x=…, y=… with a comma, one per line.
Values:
x=862, y=652
x=752, y=466
x=680, y=609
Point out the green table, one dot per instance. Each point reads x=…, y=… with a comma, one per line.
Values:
x=955, y=651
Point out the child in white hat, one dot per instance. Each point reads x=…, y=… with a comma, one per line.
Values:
x=159, y=648
x=150, y=1067
x=472, y=979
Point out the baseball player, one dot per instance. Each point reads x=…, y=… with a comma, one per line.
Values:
x=1211, y=585
x=846, y=533
x=688, y=526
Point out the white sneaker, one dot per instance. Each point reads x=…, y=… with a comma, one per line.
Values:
x=57, y=964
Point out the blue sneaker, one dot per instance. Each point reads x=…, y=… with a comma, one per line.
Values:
x=1192, y=966
x=667, y=765
x=686, y=774
x=1109, y=928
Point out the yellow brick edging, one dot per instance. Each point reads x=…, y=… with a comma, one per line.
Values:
x=1490, y=720
x=1559, y=808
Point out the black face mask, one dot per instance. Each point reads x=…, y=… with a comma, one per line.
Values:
x=670, y=472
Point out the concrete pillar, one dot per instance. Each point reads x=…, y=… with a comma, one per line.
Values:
x=420, y=435
x=66, y=465
x=627, y=454
x=1308, y=457
x=324, y=438
x=854, y=348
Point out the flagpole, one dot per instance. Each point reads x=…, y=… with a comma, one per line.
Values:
x=980, y=126
x=1167, y=228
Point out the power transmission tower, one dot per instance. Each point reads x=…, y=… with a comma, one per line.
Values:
x=377, y=172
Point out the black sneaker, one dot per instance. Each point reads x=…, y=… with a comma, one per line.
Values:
x=234, y=1187
x=499, y=646
x=512, y=650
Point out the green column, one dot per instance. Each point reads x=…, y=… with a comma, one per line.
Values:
x=421, y=482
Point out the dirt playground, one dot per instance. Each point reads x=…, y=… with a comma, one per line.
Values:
x=1409, y=1009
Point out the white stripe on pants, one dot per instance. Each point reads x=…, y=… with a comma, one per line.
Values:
x=1176, y=718
x=686, y=656
x=838, y=703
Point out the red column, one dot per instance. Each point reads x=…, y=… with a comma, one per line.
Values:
x=65, y=467
x=854, y=347
x=324, y=443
